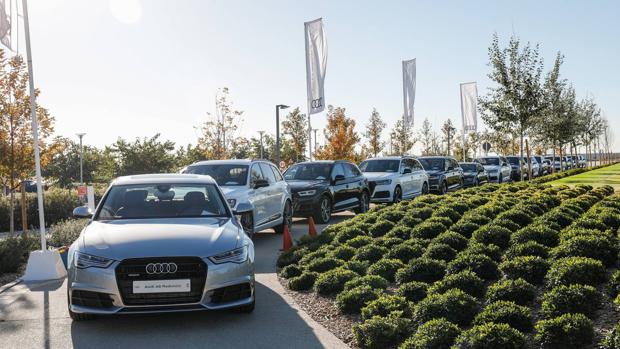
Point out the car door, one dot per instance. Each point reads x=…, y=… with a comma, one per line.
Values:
x=258, y=196
x=451, y=176
x=273, y=195
x=353, y=183
x=410, y=179
x=339, y=186
x=419, y=176
x=482, y=174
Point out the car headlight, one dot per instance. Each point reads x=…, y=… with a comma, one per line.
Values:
x=384, y=182
x=238, y=255
x=307, y=192
x=232, y=202
x=83, y=261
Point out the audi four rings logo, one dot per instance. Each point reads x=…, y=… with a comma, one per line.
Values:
x=161, y=268
x=317, y=103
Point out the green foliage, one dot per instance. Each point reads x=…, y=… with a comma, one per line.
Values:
x=491, y=336
x=343, y=252
x=440, y=251
x=291, y=271
x=359, y=241
x=380, y=228
x=530, y=268
x=428, y=230
x=387, y=306
x=303, y=282
x=538, y=233
x=454, y=305
x=421, y=213
x=614, y=283
x=518, y=216
x=333, y=281
x=612, y=339
x=530, y=248
x=347, y=233
x=374, y=281
x=569, y=331
x=370, y=253
x=422, y=269
x=381, y=333
x=386, y=268
x=14, y=252
x=413, y=291
x=563, y=299
x=493, y=234
x=64, y=233
x=291, y=256
x=596, y=247
x=467, y=281
x=576, y=270
x=480, y=264
x=351, y=301
x=448, y=212
x=465, y=227
x=405, y=252
x=360, y=267
x=506, y=312
x=434, y=334
x=519, y=291
x=452, y=239
x=324, y=264
x=146, y=155
x=491, y=251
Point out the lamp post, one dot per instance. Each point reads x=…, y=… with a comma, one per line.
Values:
x=261, y=144
x=81, y=151
x=278, y=107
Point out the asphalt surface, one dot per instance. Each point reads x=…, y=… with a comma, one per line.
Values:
x=35, y=316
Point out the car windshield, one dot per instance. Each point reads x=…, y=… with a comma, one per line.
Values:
x=432, y=164
x=223, y=174
x=308, y=172
x=469, y=167
x=380, y=166
x=513, y=160
x=489, y=161
x=162, y=201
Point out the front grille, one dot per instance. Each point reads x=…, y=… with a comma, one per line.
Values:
x=91, y=299
x=231, y=293
x=130, y=270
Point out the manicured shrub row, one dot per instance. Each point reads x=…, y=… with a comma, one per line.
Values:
x=567, y=173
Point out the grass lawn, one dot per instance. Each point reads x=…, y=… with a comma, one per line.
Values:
x=608, y=175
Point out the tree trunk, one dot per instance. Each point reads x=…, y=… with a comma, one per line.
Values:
x=553, y=160
x=521, y=153
x=561, y=162
x=24, y=206
x=529, y=161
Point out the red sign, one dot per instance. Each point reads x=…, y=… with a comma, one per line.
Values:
x=82, y=191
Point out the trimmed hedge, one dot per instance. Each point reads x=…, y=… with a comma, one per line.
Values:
x=569, y=331
x=530, y=248
x=519, y=291
x=351, y=301
x=405, y=252
x=506, y=312
x=538, y=233
x=434, y=334
x=467, y=281
x=563, y=299
x=490, y=336
x=422, y=269
x=576, y=270
x=303, y=282
x=440, y=251
x=386, y=268
x=480, y=264
x=373, y=281
x=493, y=234
x=530, y=268
x=382, y=332
x=387, y=305
x=332, y=282
x=454, y=305
x=413, y=291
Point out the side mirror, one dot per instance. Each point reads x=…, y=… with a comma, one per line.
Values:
x=406, y=170
x=260, y=183
x=242, y=208
x=338, y=178
x=82, y=212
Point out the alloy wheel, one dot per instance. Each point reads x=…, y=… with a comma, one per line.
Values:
x=398, y=195
x=325, y=209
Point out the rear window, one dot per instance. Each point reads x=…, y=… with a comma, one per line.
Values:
x=489, y=161
x=223, y=174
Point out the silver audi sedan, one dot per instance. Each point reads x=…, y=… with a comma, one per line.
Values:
x=160, y=243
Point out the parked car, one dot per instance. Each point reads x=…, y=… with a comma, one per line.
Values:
x=474, y=174
x=394, y=178
x=518, y=166
x=543, y=165
x=497, y=167
x=557, y=163
x=570, y=163
x=160, y=243
x=582, y=161
x=321, y=188
x=534, y=165
x=444, y=173
x=254, y=189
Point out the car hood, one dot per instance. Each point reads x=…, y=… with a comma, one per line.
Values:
x=377, y=176
x=303, y=185
x=492, y=167
x=434, y=172
x=138, y=238
x=233, y=191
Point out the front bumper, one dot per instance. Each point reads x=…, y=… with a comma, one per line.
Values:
x=226, y=278
x=382, y=193
x=304, y=206
x=469, y=181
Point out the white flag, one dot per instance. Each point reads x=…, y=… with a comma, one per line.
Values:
x=469, y=98
x=5, y=26
x=316, y=63
x=408, y=90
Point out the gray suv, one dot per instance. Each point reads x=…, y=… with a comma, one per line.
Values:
x=254, y=189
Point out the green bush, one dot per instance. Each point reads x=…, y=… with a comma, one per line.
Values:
x=461, y=207
x=401, y=230
x=477, y=217
x=530, y=268
x=609, y=217
x=387, y=305
x=347, y=233
x=538, y=233
x=614, y=283
x=612, y=339
x=576, y=270
x=359, y=241
x=405, y=252
x=14, y=252
x=386, y=268
x=381, y=333
x=324, y=264
x=434, y=334
x=518, y=216
x=493, y=234
x=65, y=232
x=519, y=291
x=333, y=281
x=530, y=248
x=452, y=239
x=422, y=269
x=569, y=331
x=454, y=305
x=351, y=301
x=506, y=312
x=314, y=255
x=380, y=228
x=421, y=213
x=374, y=281
x=490, y=336
x=413, y=291
x=589, y=223
x=360, y=267
x=506, y=223
x=491, y=251
x=291, y=271
x=563, y=299
x=370, y=253
x=448, y=212
x=291, y=256
x=465, y=227
x=303, y=282
x=467, y=281
x=343, y=252
x=440, y=251
x=595, y=247
x=480, y=264
x=392, y=215
x=390, y=242
x=428, y=230
x=447, y=222
x=562, y=219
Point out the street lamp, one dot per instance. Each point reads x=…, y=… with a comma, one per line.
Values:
x=81, y=168
x=261, y=144
x=278, y=107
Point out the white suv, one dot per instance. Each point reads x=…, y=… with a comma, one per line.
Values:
x=254, y=189
x=394, y=178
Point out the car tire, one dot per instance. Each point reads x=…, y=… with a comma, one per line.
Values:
x=398, y=195
x=287, y=218
x=364, y=203
x=500, y=180
x=476, y=182
x=247, y=222
x=424, y=188
x=444, y=188
x=323, y=212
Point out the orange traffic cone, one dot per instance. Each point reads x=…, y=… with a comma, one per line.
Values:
x=287, y=241
x=311, y=227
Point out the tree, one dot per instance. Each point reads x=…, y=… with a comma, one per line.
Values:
x=402, y=138
x=374, y=128
x=147, y=155
x=448, y=130
x=218, y=133
x=517, y=99
x=340, y=136
x=188, y=155
x=295, y=126
x=425, y=137
x=64, y=166
x=592, y=125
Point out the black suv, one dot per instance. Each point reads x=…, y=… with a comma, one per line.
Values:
x=518, y=165
x=320, y=188
x=444, y=173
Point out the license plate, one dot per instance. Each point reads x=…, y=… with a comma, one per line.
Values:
x=162, y=286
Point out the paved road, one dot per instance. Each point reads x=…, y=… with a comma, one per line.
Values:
x=35, y=316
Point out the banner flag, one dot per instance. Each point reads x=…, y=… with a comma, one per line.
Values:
x=5, y=26
x=469, y=99
x=408, y=90
x=316, y=63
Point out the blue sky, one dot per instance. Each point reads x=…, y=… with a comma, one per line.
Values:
x=130, y=68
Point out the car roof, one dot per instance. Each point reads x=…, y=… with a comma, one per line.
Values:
x=469, y=163
x=436, y=157
x=164, y=178
x=393, y=157
x=321, y=162
x=230, y=162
